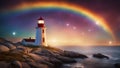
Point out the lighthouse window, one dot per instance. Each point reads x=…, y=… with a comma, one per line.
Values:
x=43, y=39
x=43, y=31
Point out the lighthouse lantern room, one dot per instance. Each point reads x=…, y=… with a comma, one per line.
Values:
x=40, y=20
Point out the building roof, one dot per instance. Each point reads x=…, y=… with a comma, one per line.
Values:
x=29, y=40
x=40, y=18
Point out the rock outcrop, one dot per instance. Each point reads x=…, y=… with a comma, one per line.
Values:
x=74, y=55
x=19, y=56
x=100, y=56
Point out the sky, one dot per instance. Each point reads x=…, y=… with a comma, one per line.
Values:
x=65, y=25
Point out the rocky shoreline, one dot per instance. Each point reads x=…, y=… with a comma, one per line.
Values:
x=16, y=55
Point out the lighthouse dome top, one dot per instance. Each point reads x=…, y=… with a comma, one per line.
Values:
x=40, y=18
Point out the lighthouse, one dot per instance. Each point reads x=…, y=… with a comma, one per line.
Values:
x=40, y=33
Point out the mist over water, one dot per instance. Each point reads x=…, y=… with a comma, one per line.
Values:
x=113, y=52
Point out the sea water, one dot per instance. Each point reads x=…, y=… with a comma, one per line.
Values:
x=113, y=52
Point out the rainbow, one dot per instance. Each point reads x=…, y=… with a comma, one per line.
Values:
x=67, y=6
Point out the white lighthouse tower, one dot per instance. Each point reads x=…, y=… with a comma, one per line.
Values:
x=40, y=33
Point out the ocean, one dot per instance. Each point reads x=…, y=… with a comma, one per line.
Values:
x=113, y=52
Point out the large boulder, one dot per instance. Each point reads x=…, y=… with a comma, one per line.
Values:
x=74, y=55
x=4, y=48
x=100, y=56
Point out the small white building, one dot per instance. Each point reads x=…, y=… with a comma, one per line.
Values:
x=28, y=41
x=40, y=35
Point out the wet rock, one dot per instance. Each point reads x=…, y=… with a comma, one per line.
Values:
x=100, y=56
x=117, y=65
x=4, y=48
x=74, y=54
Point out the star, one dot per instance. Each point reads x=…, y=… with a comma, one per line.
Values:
x=67, y=24
x=13, y=33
